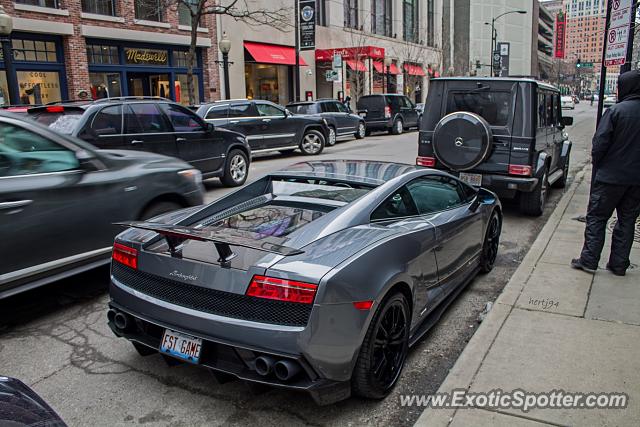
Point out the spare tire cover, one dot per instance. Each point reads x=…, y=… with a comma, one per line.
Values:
x=462, y=140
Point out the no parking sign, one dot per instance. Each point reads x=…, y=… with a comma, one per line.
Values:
x=618, y=35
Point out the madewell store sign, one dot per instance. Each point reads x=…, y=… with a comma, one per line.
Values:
x=146, y=56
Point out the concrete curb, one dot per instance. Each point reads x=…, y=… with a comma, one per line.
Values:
x=463, y=373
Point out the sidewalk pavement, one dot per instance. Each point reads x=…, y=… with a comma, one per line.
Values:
x=555, y=328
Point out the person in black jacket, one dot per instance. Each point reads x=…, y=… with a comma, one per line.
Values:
x=616, y=183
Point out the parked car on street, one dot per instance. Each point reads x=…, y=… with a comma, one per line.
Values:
x=21, y=406
x=567, y=102
x=506, y=134
x=341, y=122
x=59, y=198
x=390, y=112
x=156, y=125
x=315, y=278
x=609, y=100
x=268, y=126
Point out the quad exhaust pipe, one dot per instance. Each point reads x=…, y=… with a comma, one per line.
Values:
x=264, y=365
x=120, y=320
x=286, y=369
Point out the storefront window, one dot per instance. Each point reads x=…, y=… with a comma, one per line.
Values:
x=34, y=50
x=4, y=89
x=39, y=87
x=98, y=54
x=182, y=91
x=269, y=82
x=180, y=58
x=99, y=7
x=105, y=85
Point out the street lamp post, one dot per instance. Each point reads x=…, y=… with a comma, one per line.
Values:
x=6, y=27
x=225, y=46
x=493, y=32
x=387, y=69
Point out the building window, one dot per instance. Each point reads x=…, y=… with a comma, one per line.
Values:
x=105, y=85
x=39, y=87
x=184, y=14
x=381, y=17
x=410, y=25
x=99, y=7
x=431, y=22
x=97, y=54
x=149, y=10
x=321, y=12
x=42, y=3
x=34, y=50
x=351, y=13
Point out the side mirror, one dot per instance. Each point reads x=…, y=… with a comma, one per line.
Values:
x=210, y=128
x=567, y=121
x=287, y=113
x=483, y=197
x=86, y=161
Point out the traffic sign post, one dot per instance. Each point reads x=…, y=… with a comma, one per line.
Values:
x=603, y=66
x=618, y=32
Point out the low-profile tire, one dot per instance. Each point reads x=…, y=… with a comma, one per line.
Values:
x=374, y=376
x=312, y=143
x=331, y=137
x=158, y=208
x=491, y=243
x=236, y=169
x=532, y=203
x=562, y=182
x=397, y=128
x=362, y=131
x=143, y=350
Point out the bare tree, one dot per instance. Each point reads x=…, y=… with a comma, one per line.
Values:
x=414, y=51
x=358, y=47
x=279, y=18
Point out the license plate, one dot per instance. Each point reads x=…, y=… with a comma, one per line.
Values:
x=181, y=346
x=474, y=179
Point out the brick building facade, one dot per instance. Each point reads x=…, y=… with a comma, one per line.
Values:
x=67, y=49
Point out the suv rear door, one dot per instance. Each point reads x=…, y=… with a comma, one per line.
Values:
x=104, y=129
x=196, y=145
x=147, y=129
x=409, y=112
x=277, y=129
x=243, y=118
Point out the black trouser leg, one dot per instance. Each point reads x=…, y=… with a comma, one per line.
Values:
x=602, y=202
x=627, y=211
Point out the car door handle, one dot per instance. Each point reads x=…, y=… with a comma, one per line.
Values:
x=137, y=141
x=266, y=120
x=16, y=204
x=181, y=139
x=233, y=122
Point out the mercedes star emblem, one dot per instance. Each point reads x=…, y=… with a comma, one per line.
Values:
x=459, y=142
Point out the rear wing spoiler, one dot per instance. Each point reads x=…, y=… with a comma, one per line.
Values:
x=223, y=238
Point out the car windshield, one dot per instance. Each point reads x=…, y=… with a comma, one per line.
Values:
x=494, y=106
x=302, y=108
x=319, y=189
x=61, y=122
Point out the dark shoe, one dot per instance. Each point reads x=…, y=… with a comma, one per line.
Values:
x=578, y=265
x=617, y=271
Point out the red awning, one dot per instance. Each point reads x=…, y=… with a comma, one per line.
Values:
x=393, y=69
x=414, y=70
x=379, y=66
x=272, y=53
x=326, y=55
x=356, y=65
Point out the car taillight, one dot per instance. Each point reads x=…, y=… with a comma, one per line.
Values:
x=125, y=255
x=55, y=109
x=520, y=170
x=426, y=161
x=387, y=112
x=282, y=290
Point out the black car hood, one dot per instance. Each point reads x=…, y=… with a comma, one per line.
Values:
x=629, y=85
x=21, y=406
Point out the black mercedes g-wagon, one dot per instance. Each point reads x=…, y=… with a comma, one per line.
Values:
x=506, y=134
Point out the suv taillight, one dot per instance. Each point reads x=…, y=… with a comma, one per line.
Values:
x=282, y=290
x=522, y=170
x=387, y=112
x=428, y=162
x=125, y=255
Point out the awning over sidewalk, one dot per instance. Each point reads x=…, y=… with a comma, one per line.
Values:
x=272, y=53
x=414, y=70
x=326, y=55
x=356, y=65
x=379, y=66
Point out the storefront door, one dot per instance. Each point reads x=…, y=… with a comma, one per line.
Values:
x=148, y=84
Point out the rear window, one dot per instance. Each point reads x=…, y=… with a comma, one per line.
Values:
x=270, y=220
x=62, y=122
x=495, y=107
x=371, y=101
x=319, y=189
x=302, y=109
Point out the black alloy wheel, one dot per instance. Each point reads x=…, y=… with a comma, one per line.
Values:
x=491, y=243
x=384, y=349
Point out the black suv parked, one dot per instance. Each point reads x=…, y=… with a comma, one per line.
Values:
x=268, y=126
x=505, y=134
x=156, y=125
x=59, y=198
x=390, y=112
x=342, y=123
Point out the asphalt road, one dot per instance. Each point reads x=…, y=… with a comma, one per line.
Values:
x=56, y=338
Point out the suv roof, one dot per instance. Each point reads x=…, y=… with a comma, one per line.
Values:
x=500, y=79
